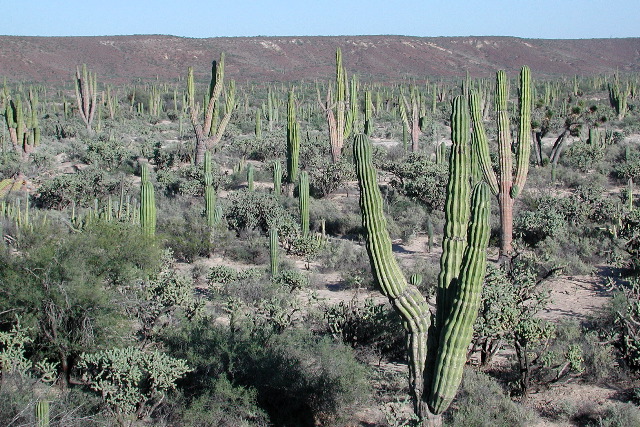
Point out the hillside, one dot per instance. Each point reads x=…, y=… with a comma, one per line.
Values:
x=127, y=58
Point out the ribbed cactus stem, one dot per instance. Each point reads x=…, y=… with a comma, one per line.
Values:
x=273, y=251
x=209, y=191
x=42, y=413
x=524, y=133
x=277, y=178
x=405, y=298
x=293, y=141
x=457, y=331
x=303, y=199
x=368, y=113
x=480, y=143
x=454, y=239
x=147, y=204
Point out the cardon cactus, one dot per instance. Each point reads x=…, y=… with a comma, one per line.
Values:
x=277, y=178
x=303, y=198
x=42, y=413
x=273, y=251
x=293, y=141
x=209, y=191
x=507, y=187
x=147, y=204
x=434, y=375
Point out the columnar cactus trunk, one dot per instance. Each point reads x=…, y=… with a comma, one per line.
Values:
x=335, y=108
x=293, y=141
x=434, y=374
x=209, y=191
x=42, y=413
x=368, y=113
x=273, y=251
x=457, y=331
x=277, y=178
x=412, y=107
x=506, y=187
x=147, y=204
x=303, y=199
x=405, y=298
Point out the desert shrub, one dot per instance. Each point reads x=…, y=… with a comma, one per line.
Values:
x=348, y=259
x=292, y=279
x=299, y=378
x=186, y=233
x=540, y=221
x=405, y=218
x=618, y=415
x=367, y=326
x=225, y=405
x=107, y=152
x=325, y=176
x=82, y=187
x=481, y=402
x=339, y=220
x=418, y=177
x=251, y=247
x=585, y=156
x=626, y=306
x=248, y=210
x=188, y=180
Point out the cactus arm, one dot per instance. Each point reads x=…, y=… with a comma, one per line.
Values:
x=273, y=251
x=405, y=298
x=480, y=143
x=457, y=331
x=524, y=135
x=147, y=204
x=454, y=239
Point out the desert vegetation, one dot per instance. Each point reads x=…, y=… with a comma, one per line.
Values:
x=460, y=252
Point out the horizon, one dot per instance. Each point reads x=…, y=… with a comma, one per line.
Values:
x=544, y=19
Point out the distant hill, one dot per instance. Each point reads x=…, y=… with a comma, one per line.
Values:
x=119, y=59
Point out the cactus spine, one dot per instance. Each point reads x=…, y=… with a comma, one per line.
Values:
x=147, y=204
x=209, y=192
x=434, y=376
x=507, y=188
x=303, y=199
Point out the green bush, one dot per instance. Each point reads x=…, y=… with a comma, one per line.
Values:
x=481, y=402
x=418, y=177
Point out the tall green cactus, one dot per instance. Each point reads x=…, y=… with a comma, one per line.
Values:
x=86, y=95
x=42, y=413
x=277, y=178
x=209, y=132
x=273, y=251
x=147, y=204
x=209, y=191
x=303, y=199
x=434, y=375
x=293, y=141
x=506, y=187
x=368, y=113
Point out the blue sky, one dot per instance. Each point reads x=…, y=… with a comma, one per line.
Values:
x=198, y=18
